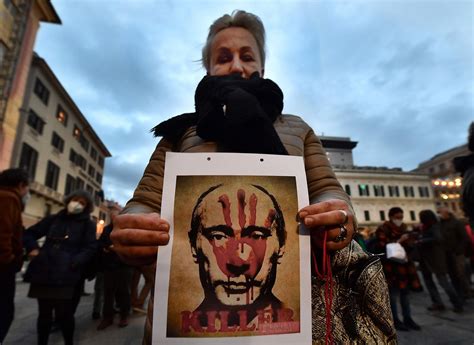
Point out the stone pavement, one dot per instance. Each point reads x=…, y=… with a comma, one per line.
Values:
x=437, y=328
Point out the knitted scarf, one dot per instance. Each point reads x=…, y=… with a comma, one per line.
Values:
x=235, y=112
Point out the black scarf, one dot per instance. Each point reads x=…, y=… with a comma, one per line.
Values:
x=235, y=112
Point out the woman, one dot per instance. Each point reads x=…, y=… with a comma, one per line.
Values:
x=237, y=110
x=433, y=261
x=56, y=269
x=401, y=277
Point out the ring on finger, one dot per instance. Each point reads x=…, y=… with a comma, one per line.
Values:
x=346, y=217
x=342, y=234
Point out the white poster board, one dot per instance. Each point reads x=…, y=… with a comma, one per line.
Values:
x=236, y=269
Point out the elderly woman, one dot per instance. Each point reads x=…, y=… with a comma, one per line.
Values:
x=56, y=269
x=237, y=110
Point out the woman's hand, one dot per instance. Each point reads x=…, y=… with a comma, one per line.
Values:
x=329, y=216
x=33, y=254
x=136, y=237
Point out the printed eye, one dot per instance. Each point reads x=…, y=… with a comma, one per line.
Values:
x=258, y=235
x=217, y=236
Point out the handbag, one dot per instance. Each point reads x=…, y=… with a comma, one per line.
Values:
x=396, y=252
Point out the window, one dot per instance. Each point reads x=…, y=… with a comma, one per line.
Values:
x=70, y=184
x=77, y=159
x=76, y=132
x=98, y=178
x=35, y=122
x=412, y=215
x=367, y=215
x=61, y=115
x=424, y=192
x=84, y=142
x=379, y=190
x=101, y=161
x=93, y=153
x=102, y=216
x=348, y=189
x=90, y=189
x=79, y=183
x=91, y=171
x=382, y=215
x=442, y=166
x=28, y=160
x=41, y=91
x=393, y=191
x=57, y=142
x=98, y=197
x=52, y=175
x=409, y=191
x=364, y=190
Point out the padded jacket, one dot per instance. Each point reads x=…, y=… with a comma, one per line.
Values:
x=297, y=137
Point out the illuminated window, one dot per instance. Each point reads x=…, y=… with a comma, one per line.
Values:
x=76, y=132
x=61, y=115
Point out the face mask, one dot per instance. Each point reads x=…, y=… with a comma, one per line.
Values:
x=397, y=222
x=25, y=198
x=74, y=207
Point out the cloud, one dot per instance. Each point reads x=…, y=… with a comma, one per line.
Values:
x=396, y=76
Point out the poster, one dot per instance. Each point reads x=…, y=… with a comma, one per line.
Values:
x=235, y=270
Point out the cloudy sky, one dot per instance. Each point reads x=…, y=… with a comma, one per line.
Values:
x=396, y=76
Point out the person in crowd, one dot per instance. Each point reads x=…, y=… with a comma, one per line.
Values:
x=433, y=261
x=138, y=299
x=237, y=110
x=117, y=278
x=456, y=241
x=465, y=166
x=14, y=193
x=401, y=276
x=56, y=268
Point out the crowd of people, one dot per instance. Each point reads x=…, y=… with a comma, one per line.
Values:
x=62, y=251
x=237, y=110
x=441, y=245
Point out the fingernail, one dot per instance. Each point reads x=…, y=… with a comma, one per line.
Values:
x=308, y=221
x=163, y=227
x=303, y=214
x=164, y=237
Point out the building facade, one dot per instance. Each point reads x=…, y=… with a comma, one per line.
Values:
x=56, y=145
x=445, y=180
x=19, y=24
x=374, y=190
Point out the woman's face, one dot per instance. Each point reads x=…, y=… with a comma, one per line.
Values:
x=235, y=50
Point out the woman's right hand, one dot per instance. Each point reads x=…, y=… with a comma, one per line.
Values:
x=33, y=254
x=136, y=237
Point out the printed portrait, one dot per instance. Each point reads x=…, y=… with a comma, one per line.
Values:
x=235, y=257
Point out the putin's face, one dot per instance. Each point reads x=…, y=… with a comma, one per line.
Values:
x=237, y=246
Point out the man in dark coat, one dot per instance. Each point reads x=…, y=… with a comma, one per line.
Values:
x=456, y=240
x=13, y=194
x=117, y=281
x=433, y=261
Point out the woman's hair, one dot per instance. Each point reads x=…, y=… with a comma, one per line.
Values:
x=241, y=19
x=81, y=194
x=428, y=217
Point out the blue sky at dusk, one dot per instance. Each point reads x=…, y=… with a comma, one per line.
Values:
x=396, y=76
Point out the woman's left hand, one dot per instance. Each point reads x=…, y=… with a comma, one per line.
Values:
x=331, y=216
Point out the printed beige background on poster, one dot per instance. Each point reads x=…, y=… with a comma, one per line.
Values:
x=185, y=291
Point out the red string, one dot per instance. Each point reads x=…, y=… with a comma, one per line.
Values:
x=326, y=275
